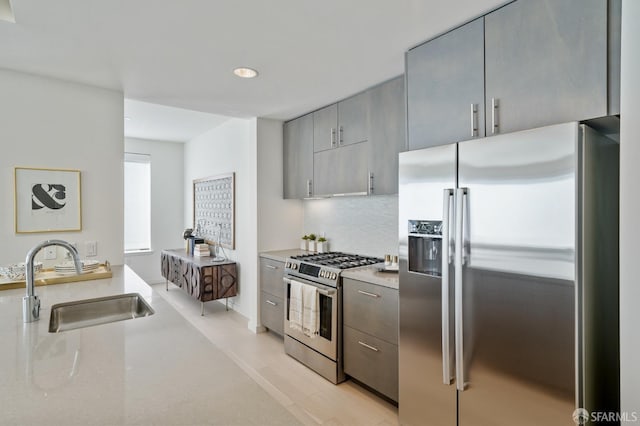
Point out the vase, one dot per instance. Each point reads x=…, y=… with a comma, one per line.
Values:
x=304, y=245
x=312, y=245
x=322, y=246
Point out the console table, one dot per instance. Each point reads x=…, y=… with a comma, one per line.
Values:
x=201, y=277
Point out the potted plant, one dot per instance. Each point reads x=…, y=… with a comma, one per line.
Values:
x=322, y=245
x=312, y=242
x=304, y=243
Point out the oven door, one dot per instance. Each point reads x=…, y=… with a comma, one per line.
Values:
x=327, y=341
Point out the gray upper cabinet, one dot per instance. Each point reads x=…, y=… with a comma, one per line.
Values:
x=387, y=130
x=341, y=124
x=325, y=128
x=350, y=147
x=353, y=119
x=298, y=157
x=341, y=171
x=546, y=63
x=445, y=80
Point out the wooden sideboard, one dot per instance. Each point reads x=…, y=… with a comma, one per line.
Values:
x=201, y=277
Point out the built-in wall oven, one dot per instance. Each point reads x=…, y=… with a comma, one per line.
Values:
x=321, y=353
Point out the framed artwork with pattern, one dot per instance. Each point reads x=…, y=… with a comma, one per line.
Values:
x=214, y=210
x=47, y=200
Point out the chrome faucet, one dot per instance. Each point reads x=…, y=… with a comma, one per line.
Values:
x=31, y=302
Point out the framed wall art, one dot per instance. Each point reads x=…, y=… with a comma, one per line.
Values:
x=214, y=209
x=47, y=200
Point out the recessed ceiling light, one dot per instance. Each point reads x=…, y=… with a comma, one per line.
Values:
x=245, y=72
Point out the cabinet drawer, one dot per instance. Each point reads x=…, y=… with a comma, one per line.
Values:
x=372, y=361
x=272, y=312
x=371, y=308
x=271, y=275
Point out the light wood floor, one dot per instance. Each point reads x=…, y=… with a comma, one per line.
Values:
x=308, y=396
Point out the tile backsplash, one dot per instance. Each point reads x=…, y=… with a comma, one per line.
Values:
x=363, y=225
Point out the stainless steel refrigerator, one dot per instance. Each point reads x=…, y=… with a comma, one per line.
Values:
x=509, y=279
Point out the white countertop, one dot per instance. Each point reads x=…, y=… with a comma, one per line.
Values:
x=370, y=274
x=154, y=370
x=281, y=255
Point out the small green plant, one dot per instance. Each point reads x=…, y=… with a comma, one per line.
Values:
x=322, y=239
x=312, y=237
x=305, y=237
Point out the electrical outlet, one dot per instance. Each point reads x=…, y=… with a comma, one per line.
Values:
x=50, y=253
x=92, y=248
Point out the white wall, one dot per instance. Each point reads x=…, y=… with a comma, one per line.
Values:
x=167, y=209
x=50, y=123
x=264, y=221
x=231, y=147
x=280, y=221
x=630, y=208
x=363, y=225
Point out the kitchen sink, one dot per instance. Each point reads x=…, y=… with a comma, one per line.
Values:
x=101, y=310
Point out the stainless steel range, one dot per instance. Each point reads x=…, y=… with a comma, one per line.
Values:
x=322, y=353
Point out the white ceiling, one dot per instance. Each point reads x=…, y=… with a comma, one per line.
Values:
x=144, y=120
x=182, y=53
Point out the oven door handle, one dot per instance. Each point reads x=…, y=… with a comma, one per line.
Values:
x=324, y=292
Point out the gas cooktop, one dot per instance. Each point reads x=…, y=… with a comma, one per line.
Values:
x=338, y=260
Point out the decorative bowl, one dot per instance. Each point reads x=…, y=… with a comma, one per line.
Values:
x=16, y=271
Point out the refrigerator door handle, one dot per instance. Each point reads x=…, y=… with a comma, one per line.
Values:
x=461, y=195
x=447, y=372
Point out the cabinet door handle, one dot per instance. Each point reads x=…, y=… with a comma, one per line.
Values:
x=271, y=303
x=271, y=266
x=368, y=346
x=474, y=120
x=495, y=123
x=340, y=141
x=333, y=137
x=370, y=188
x=308, y=187
x=366, y=293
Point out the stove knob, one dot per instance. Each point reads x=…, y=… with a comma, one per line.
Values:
x=288, y=264
x=294, y=266
x=323, y=274
x=333, y=276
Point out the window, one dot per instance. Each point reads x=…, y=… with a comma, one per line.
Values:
x=137, y=202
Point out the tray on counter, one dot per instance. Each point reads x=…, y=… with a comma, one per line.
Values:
x=392, y=269
x=50, y=276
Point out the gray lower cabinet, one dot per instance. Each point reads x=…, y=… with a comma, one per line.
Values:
x=387, y=130
x=370, y=337
x=298, y=157
x=445, y=81
x=546, y=63
x=272, y=295
x=342, y=170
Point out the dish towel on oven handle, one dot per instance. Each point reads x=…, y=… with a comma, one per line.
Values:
x=304, y=309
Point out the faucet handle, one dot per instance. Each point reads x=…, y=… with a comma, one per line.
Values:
x=31, y=308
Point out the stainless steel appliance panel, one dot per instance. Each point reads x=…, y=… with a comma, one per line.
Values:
x=521, y=201
x=598, y=272
x=424, y=398
x=326, y=342
x=518, y=308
